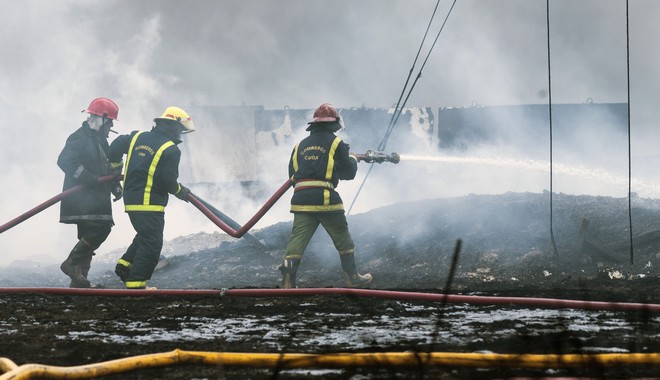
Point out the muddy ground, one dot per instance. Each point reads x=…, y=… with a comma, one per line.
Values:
x=506, y=249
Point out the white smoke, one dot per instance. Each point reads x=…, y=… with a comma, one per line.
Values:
x=58, y=56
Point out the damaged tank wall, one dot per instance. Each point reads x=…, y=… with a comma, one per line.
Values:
x=366, y=127
x=508, y=148
x=251, y=144
x=524, y=129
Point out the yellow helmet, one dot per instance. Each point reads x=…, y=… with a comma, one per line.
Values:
x=177, y=114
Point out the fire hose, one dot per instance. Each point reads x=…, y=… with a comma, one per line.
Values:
x=330, y=360
x=39, y=208
x=218, y=218
x=236, y=231
x=222, y=218
x=211, y=212
x=550, y=303
x=337, y=360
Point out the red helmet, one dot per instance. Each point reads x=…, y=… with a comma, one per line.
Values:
x=103, y=106
x=326, y=112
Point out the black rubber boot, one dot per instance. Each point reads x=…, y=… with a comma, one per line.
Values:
x=80, y=284
x=71, y=266
x=289, y=268
x=83, y=267
x=352, y=279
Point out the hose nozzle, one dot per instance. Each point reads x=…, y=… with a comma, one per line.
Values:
x=372, y=156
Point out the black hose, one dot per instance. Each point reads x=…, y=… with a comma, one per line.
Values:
x=230, y=222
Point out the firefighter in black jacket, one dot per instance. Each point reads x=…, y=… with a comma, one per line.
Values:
x=84, y=159
x=151, y=173
x=317, y=164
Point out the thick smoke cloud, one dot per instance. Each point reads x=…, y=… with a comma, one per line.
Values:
x=150, y=54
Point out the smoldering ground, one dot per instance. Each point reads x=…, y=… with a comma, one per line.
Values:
x=506, y=251
x=507, y=244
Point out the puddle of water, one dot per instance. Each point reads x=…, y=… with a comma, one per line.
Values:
x=459, y=324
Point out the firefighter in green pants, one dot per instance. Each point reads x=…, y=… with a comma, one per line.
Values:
x=317, y=164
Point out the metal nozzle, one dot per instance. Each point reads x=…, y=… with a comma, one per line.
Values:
x=372, y=156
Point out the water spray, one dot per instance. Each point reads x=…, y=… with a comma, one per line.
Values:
x=587, y=173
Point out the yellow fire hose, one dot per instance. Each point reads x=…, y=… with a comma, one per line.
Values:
x=7, y=365
x=338, y=360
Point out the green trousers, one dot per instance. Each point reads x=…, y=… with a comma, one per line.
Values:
x=306, y=223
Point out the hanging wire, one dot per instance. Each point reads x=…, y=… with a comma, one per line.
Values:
x=419, y=50
x=399, y=105
x=403, y=91
x=629, y=150
x=395, y=116
x=552, y=233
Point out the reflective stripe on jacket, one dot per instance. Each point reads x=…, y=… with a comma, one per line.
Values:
x=317, y=164
x=151, y=171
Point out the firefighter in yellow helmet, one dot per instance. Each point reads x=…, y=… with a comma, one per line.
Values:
x=151, y=173
x=317, y=164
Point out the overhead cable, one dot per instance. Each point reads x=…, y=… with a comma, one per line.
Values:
x=399, y=109
x=399, y=106
x=552, y=233
x=629, y=150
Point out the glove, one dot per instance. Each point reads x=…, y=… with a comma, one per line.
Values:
x=116, y=167
x=183, y=193
x=117, y=191
x=88, y=178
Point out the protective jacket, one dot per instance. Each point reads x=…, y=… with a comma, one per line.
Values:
x=317, y=164
x=151, y=171
x=85, y=153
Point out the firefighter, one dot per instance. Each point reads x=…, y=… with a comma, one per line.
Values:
x=83, y=159
x=151, y=173
x=317, y=164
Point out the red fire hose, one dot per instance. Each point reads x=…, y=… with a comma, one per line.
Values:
x=216, y=218
x=23, y=217
x=242, y=230
x=550, y=303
